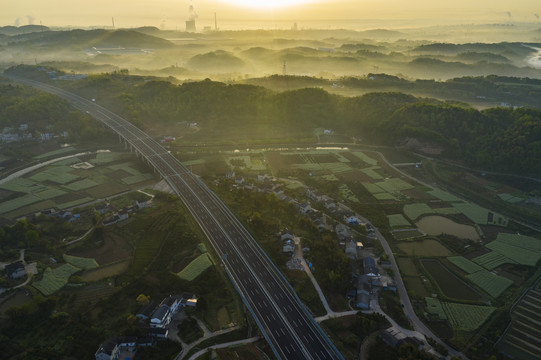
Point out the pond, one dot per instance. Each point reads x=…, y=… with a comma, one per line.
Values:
x=436, y=225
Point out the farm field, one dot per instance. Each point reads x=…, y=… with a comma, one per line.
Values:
x=480, y=215
x=69, y=183
x=80, y=262
x=464, y=317
x=107, y=271
x=450, y=285
x=465, y=264
x=196, y=267
x=414, y=211
x=434, y=307
x=406, y=265
x=522, y=338
x=397, y=220
x=493, y=285
x=54, y=280
x=427, y=247
x=511, y=248
x=407, y=234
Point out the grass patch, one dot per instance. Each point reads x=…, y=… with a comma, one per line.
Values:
x=11, y=205
x=195, y=268
x=407, y=234
x=384, y=196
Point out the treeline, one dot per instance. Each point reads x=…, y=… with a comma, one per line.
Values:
x=500, y=139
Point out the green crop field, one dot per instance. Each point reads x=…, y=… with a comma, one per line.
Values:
x=510, y=198
x=372, y=173
x=104, y=158
x=492, y=260
x=398, y=220
x=126, y=167
x=54, y=280
x=467, y=317
x=493, y=285
x=465, y=264
x=517, y=254
x=414, y=211
x=480, y=215
x=80, y=262
x=428, y=247
x=372, y=188
x=406, y=265
x=433, y=306
x=49, y=193
x=57, y=174
x=195, y=268
x=81, y=185
x=384, y=196
x=67, y=162
x=447, y=211
x=367, y=159
x=130, y=180
x=407, y=234
x=394, y=185
x=10, y=205
x=73, y=203
x=19, y=185
x=443, y=195
x=511, y=248
x=347, y=194
x=55, y=152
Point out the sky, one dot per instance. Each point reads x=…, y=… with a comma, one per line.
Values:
x=171, y=14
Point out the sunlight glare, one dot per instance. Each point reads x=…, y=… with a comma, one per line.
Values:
x=268, y=4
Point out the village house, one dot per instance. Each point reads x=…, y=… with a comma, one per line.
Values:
x=15, y=270
x=286, y=235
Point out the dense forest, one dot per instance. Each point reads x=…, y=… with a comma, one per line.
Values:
x=499, y=139
x=42, y=113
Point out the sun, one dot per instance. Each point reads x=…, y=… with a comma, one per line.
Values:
x=268, y=4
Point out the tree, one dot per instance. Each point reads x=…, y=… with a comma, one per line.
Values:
x=143, y=299
x=31, y=238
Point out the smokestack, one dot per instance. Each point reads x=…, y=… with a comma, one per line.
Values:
x=192, y=15
x=536, y=16
x=113, y=21
x=216, y=22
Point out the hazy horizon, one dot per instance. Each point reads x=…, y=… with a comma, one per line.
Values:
x=347, y=14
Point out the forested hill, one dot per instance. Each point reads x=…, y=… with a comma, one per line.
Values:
x=499, y=139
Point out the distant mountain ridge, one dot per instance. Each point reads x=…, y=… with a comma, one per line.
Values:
x=82, y=39
x=25, y=29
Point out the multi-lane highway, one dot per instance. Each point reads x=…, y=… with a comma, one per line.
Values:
x=284, y=321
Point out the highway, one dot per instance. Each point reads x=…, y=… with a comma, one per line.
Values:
x=282, y=318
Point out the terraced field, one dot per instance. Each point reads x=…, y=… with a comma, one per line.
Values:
x=522, y=339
